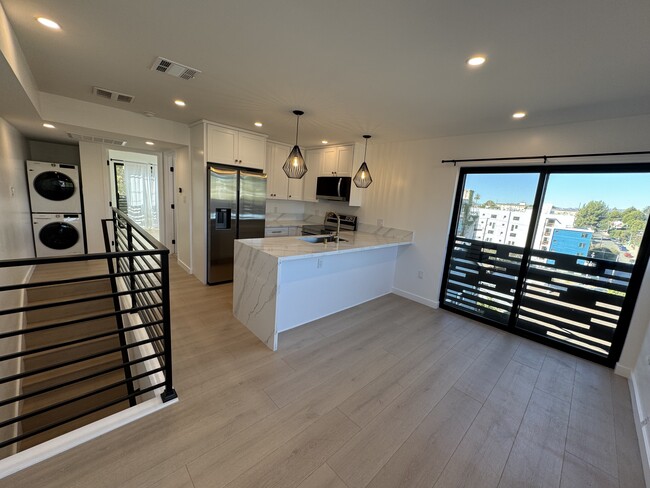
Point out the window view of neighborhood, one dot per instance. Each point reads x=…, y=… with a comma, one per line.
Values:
x=593, y=215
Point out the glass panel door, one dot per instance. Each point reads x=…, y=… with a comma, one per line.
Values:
x=587, y=240
x=491, y=228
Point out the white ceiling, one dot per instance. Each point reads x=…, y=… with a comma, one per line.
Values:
x=393, y=69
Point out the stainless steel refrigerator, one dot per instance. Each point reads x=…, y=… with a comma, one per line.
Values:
x=236, y=210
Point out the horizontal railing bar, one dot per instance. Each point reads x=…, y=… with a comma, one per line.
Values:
x=147, y=280
x=138, y=238
x=63, y=403
x=31, y=330
x=104, y=371
x=539, y=252
x=140, y=281
x=11, y=263
x=146, y=264
x=122, y=216
x=79, y=415
x=34, y=372
x=81, y=279
x=41, y=306
x=58, y=345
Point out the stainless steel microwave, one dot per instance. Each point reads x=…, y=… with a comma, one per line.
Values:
x=333, y=188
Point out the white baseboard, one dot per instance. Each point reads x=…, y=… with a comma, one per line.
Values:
x=644, y=441
x=623, y=371
x=48, y=449
x=416, y=298
x=184, y=266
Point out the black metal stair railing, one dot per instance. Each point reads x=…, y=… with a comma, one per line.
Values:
x=138, y=272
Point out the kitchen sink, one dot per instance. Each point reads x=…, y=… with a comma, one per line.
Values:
x=321, y=239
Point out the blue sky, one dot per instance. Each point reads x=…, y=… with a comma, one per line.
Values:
x=620, y=190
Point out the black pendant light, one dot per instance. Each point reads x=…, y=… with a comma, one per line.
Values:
x=295, y=166
x=363, y=179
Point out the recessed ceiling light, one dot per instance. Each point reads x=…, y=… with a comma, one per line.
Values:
x=324, y=141
x=258, y=124
x=476, y=60
x=48, y=23
x=49, y=126
x=148, y=143
x=518, y=115
x=180, y=103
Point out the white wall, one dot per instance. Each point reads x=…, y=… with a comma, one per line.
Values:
x=53, y=152
x=15, y=242
x=56, y=108
x=94, y=179
x=13, y=53
x=183, y=202
x=641, y=381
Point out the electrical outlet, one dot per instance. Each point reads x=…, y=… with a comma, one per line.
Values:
x=420, y=274
x=275, y=210
x=380, y=222
x=319, y=263
x=12, y=191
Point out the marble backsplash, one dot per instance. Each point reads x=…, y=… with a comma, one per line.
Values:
x=287, y=218
x=273, y=217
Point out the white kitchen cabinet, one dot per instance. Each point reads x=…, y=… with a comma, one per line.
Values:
x=336, y=160
x=279, y=185
x=313, y=161
x=252, y=150
x=234, y=147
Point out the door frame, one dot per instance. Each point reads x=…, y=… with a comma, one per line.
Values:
x=162, y=193
x=632, y=292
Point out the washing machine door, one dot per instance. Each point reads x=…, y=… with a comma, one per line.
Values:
x=54, y=185
x=59, y=235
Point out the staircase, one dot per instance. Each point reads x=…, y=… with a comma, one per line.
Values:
x=45, y=359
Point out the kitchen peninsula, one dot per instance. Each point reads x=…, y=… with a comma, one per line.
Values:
x=283, y=282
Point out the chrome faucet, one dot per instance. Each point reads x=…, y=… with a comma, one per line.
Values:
x=338, y=223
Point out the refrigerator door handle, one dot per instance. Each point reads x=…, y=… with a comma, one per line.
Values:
x=338, y=187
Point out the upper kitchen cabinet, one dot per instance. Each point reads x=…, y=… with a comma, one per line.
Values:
x=279, y=185
x=336, y=160
x=333, y=161
x=235, y=147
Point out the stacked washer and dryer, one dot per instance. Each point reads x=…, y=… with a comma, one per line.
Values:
x=55, y=199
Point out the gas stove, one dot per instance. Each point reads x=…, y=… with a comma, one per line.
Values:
x=348, y=222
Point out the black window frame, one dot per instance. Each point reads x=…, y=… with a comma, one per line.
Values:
x=634, y=286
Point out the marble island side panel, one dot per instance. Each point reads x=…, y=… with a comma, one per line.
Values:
x=254, y=292
x=284, y=282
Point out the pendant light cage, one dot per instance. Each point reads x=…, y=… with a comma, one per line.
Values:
x=294, y=167
x=363, y=179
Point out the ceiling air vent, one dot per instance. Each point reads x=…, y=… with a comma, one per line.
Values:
x=99, y=140
x=112, y=95
x=175, y=69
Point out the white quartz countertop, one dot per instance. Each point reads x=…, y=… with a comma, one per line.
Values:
x=285, y=248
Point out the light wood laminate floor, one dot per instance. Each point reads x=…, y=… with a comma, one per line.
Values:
x=384, y=395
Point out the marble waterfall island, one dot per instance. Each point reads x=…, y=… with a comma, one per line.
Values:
x=283, y=282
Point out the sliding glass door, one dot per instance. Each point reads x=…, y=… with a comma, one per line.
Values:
x=554, y=254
